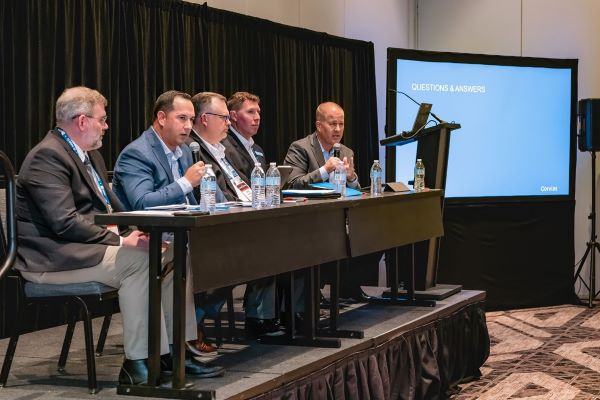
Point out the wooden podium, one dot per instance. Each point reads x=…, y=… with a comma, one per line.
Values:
x=433, y=145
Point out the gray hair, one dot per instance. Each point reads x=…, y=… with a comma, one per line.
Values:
x=203, y=100
x=77, y=101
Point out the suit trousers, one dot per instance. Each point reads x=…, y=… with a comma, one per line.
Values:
x=126, y=269
x=260, y=298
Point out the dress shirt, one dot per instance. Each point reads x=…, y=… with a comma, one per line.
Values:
x=83, y=156
x=218, y=152
x=325, y=175
x=248, y=143
x=173, y=159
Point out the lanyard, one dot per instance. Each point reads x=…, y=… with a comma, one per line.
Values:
x=243, y=191
x=257, y=154
x=94, y=173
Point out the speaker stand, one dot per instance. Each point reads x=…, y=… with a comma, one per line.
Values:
x=592, y=245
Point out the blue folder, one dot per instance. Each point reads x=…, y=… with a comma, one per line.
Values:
x=327, y=185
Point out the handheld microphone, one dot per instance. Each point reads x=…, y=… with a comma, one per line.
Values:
x=195, y=147
x=438, y=119
x=336, y=149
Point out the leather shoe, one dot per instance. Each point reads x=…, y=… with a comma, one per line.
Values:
x=199, y=347
x=193, y=367
x=255, y=327
x=354, y=296
x=134, y=372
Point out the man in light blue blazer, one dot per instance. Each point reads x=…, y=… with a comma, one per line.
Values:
x=145, y=171
x=157, y=169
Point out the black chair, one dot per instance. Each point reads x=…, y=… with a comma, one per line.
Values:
x=81, y=301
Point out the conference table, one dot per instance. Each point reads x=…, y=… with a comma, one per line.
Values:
x=244, y=244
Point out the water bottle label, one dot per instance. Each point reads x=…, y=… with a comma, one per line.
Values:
x=258, y=181
x=273, y=181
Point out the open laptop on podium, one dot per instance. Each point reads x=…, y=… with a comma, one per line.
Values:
x=421, y=118
x=406, y=137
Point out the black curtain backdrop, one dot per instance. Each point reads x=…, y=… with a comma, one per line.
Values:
x=133, y=50
x=521, y=254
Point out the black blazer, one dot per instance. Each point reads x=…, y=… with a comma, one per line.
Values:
x=239, y=157
x=206, y=156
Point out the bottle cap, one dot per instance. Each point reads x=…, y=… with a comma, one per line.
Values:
x=272, y=164
x=375, y=161
x=208, y=165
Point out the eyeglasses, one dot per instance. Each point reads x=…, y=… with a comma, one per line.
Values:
x=102, y=120
x=224, y=117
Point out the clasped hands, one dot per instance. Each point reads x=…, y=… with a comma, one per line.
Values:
x=333, y=162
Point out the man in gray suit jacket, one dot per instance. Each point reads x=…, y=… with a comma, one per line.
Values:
x=312, y=161
x=62, y=184
x=157, y=169
x=311, y=158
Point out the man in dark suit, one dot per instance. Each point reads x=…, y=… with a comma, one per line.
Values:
x=157, y=169
x=240, y=148
x=312, y=161
x=62, y=184
x=210, y=128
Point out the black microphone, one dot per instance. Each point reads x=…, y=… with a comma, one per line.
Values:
x=438, y=119
x=336, y=149
x=195, y=147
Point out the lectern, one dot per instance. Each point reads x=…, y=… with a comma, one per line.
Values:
x=432, y=147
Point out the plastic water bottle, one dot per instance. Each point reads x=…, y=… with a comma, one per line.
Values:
x=419, y=183
x=376, y=189
x=257, y=181
x=273, y=187
x=339, y=179
x=208, y=190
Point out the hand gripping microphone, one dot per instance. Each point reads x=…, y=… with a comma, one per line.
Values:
x=336, y=150
x=195, y=147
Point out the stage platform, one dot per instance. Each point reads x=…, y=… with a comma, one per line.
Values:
x=406, y=352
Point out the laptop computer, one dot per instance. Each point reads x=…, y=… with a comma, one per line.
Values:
x=285, y=171
x=422, y=117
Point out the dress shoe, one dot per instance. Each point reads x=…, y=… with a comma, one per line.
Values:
x=299, y=318
x=134, y=372
x=354, y=296
x=256, y=327
x=200, y=347
x=193, y=367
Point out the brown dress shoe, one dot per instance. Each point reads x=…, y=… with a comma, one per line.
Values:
x=200, y=347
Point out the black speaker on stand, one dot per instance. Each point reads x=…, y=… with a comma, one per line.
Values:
x=588, y=113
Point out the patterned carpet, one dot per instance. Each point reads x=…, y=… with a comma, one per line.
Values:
x=543, y=353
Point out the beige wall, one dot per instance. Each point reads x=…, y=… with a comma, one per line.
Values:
x=532, y=28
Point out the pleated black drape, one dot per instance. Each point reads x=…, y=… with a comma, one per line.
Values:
x=133, y=50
